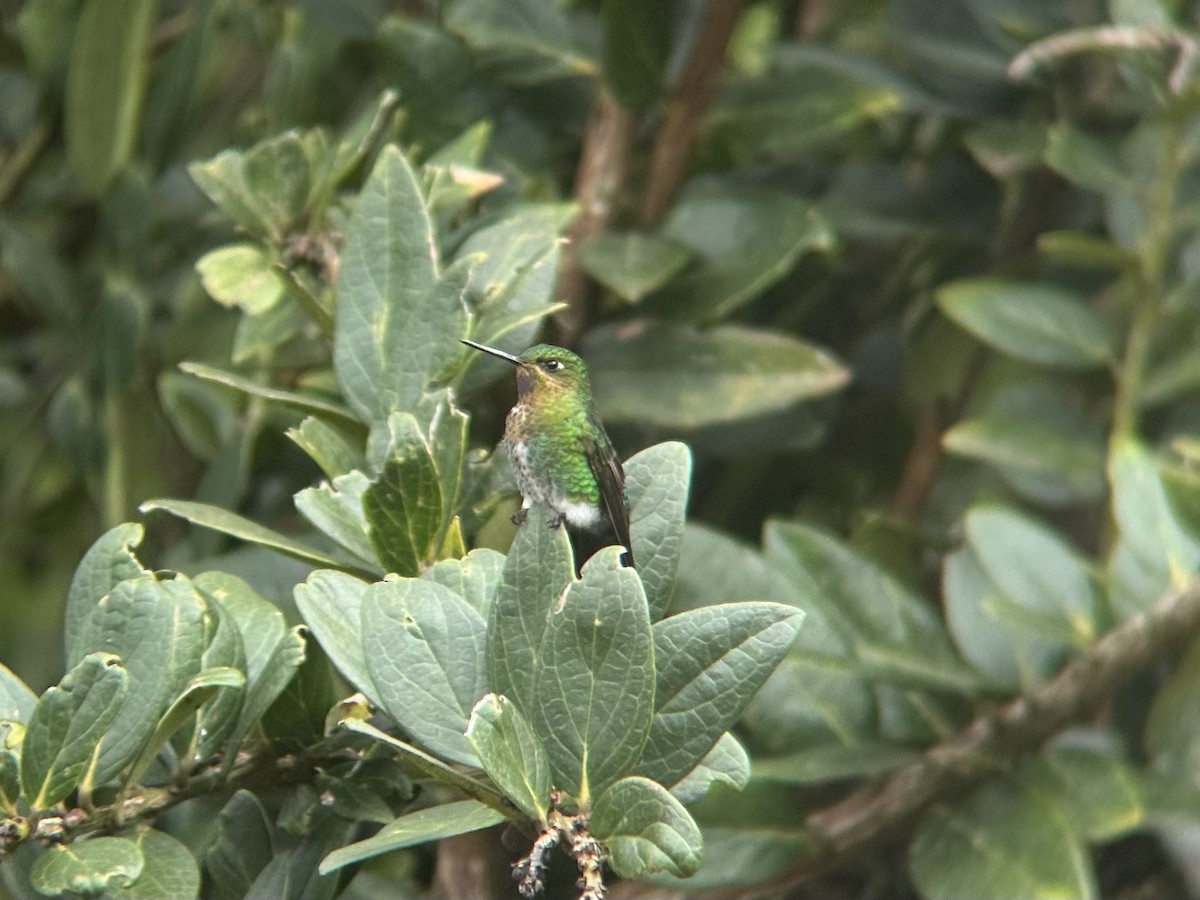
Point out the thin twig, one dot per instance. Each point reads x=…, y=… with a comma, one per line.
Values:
x=925, y=457
x=149, y=802
x=599, y=181
x=691, y=97
x=994, y=741
x=1110, y=37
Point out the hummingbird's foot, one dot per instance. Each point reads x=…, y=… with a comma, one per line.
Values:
x=556, y=521
x=519, y=517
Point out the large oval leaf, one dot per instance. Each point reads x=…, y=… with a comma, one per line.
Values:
x=677, y=376
x=1040, y=323
x=646, y=830
x=594, y=688
x=105, y=85
x=425, y=651
x=398, y=320
x=1005, y=843
x=711, y=661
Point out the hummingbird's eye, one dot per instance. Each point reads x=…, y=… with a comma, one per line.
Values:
x=552, y=365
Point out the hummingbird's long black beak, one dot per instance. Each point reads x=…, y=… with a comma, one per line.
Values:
x=515, y=360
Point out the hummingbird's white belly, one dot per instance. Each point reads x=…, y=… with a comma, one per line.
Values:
x=544, y=491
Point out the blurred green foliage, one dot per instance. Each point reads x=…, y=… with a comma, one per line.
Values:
x=923, y=308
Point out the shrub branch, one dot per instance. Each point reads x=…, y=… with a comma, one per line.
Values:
x=681, y=124
x=599, y=181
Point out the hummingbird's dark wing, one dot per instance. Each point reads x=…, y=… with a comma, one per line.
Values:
x=606, y=468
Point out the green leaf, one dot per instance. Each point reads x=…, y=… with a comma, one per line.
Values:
x=990, y=630
x=748, y=836
x=1071, y=461
x=862, y=602
x=534, y=37
x=744, y=240
x=108, y=562
x=1174, y=378
x=292, y=873
x=240, y=848
x=726, y=763
x=226, y=522
x=240, y=275
x=425, y=652
x=432, y=767
x=204, y=415
x=453, y=177
x=76, y=429
x=398, y=319
x=16, y=699
x=512, y=754
x=304, y=402
x=331, y=448
x=170, y=870
x=1039, y=323
x=646, y=830
x=1034, y=567
x=1083, y=249
x=475, y=577
x=675, y=376
x=1018, y=599
x=1156, y=552
x=1100, y=792
x=436, y=823
x=331, y=604
x=223, y=179
x=815, y=100
x=106, y=81
x=710, y=662
x=1005, y=843
x=202, y=688
x=637, y=42
x=403, y=507
x=336, y=509
x=219, y=717
x=10, y=775
x=594, y=687
x=157, y=628
x=1172, y=732
x=815, y=695
x=1089, y=162
x=279, y=171
x=46, y=29
x=273, y=651
x=1005, y=148
x=258, y=336
x=537, y=573
x=445, y=427
x=296, y=718
x=865, y=629
x=88, y=867
x=511, y=285
x=657, y=482
x=67, y=726
x=633, y=264
x=40, y=272
x=834, y=763
x=173, y=97
x=118, y=326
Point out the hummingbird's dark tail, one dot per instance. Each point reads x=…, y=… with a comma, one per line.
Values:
x=585, y=543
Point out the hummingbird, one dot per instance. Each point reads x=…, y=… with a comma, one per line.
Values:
x=560, y=453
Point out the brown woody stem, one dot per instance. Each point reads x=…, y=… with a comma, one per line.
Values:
x=691, y=97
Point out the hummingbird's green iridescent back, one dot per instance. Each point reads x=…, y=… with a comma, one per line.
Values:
x=561, y=456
